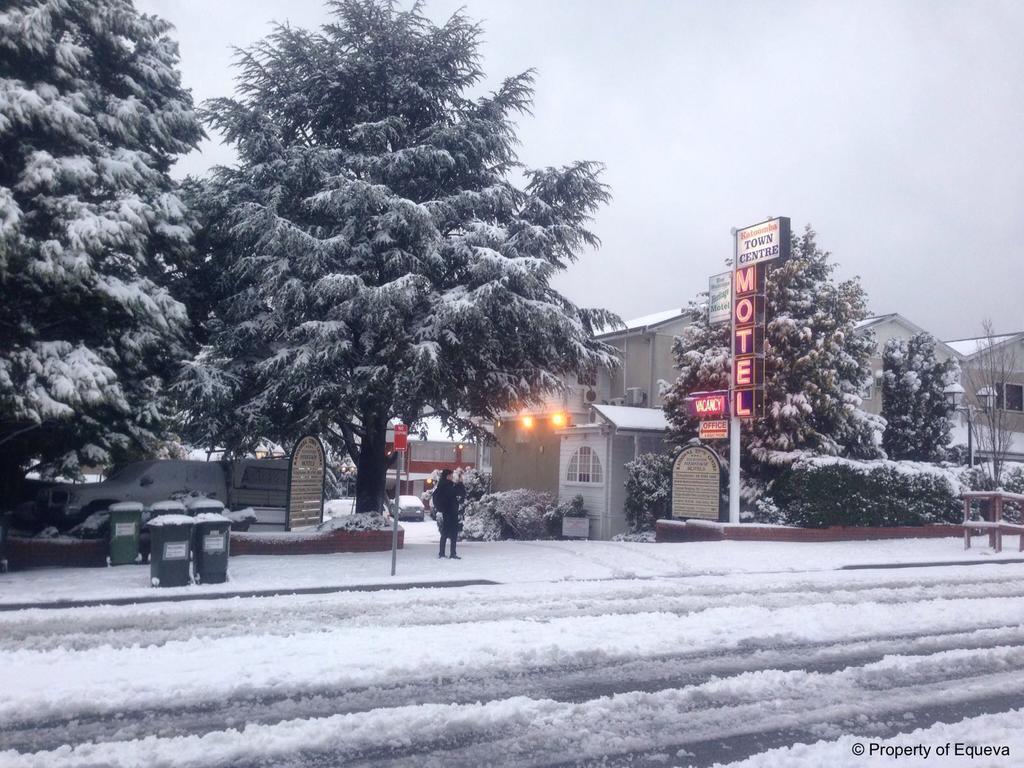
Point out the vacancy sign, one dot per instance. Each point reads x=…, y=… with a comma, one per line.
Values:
x=708, y=405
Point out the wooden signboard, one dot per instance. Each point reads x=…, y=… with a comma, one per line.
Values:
x=696, y=484
x=307, y=470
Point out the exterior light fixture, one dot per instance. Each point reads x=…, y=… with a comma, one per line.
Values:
x=558, y=420
x=528, y=422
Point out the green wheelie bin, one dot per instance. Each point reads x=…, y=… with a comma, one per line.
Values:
x=212, y=543
x=125, y=527
x=170, y=563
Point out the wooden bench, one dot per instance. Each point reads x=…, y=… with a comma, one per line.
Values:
x=995, y=526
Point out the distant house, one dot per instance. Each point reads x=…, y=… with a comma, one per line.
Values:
x=592, y=458
x=529, y=440
x=432, y=448
x=1006, y=395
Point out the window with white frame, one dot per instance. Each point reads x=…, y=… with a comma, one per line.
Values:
x=584, y=466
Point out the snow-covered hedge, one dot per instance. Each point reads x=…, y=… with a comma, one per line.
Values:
x=648, y=490
x=518, y=514
x=822, y=491
x=357, y=522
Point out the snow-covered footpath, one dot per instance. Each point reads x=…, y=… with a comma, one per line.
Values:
x=641, y=655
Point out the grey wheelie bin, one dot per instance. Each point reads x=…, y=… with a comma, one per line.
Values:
x=125, y=527
x=212, y=543
x=171, y=545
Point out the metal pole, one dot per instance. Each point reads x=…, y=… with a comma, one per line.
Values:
x=734, y=421
x=970, y=438
x=394, y=514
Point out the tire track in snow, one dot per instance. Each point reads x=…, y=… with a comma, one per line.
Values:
x=570, y=684
x=81, y=629
x=539, y=732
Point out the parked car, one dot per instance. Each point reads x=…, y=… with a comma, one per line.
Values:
x=410, y=508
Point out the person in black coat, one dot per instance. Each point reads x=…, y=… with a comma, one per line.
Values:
x=446, y=500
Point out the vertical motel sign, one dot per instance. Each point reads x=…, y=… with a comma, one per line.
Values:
x=756, y=246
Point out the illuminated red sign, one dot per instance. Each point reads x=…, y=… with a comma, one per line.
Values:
x=707, y=405
x=748, y=314
x=401, y=437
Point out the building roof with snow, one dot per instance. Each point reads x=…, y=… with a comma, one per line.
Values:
x=641, y=324
x=971, y=347
x=895, y=318
x=624, y=417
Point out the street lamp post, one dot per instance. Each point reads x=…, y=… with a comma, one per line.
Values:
x=955, y=397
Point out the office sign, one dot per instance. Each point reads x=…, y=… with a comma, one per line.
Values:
x=762, y=242
x=713, y=429
x=719, y=298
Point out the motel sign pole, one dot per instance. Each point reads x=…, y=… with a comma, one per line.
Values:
x=734, y=420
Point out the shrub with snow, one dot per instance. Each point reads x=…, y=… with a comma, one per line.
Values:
x=553, y=517
x=648, y=490
x=357, y=522
x=819, y=492
x=517, y=514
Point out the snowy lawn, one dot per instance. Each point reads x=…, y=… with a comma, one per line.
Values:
x=504, y=562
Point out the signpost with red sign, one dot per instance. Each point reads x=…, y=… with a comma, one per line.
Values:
x=401, y=437
x=401, y=446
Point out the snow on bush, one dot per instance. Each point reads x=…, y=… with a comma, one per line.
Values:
x=648, y=490
x=575, y=507
x=643, y=537
x=816, y=492
x=356, y=522
x=518, y=514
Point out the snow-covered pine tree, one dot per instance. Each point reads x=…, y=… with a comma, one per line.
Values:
x=914, y=403
x=815, y=363
x=92, y=114
x=381, y=260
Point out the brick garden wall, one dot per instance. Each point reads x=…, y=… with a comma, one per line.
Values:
x=49, y=553
x=244, y=543
x=673, y=531
x=88, y=553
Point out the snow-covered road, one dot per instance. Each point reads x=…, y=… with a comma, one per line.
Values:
x=658, y=671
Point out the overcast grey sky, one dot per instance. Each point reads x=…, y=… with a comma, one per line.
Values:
x=895, y=128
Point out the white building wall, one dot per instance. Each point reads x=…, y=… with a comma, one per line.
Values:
x=594, y=494
x=623, y=452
